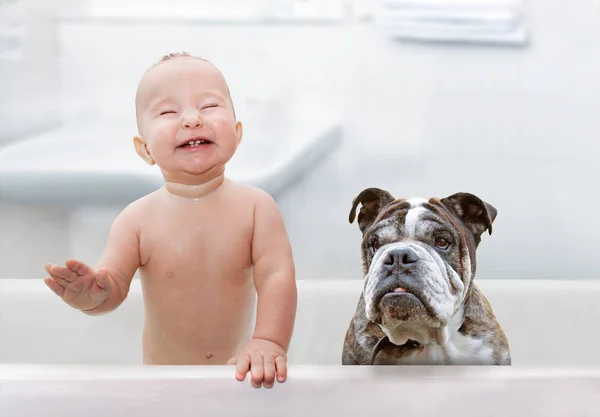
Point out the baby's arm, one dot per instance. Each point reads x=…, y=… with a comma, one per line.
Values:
x=275, y=282
x=103, y=289
x=274, y=275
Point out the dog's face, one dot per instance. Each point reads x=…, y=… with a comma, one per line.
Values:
x=418, y=255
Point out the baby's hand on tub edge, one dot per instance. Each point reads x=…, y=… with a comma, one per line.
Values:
x=264, y=360
x=78, y=285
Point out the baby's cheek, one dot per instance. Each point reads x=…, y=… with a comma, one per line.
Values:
x=163, y=134
x=217, y=124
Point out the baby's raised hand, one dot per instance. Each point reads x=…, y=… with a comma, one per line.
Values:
x=264, y=359
x=78, y=285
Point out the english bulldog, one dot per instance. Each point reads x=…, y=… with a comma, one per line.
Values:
x=419, y=304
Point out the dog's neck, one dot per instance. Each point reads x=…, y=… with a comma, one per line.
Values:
x=419, y=335
x=423, y=333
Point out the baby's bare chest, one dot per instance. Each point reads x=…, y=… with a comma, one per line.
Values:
x=191, y=242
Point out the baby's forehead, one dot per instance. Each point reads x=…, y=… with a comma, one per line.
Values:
x=182, y=67
x=177, y=73
x=162, y=74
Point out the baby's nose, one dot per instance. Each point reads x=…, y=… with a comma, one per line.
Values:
x=190, y=122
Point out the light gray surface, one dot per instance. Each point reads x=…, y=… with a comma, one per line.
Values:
x=92, y=162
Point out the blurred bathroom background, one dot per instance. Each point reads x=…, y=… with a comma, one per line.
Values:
x=424, y=98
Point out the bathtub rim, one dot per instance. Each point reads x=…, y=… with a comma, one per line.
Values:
x=32, y=372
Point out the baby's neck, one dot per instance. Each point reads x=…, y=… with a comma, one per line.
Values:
x=195, y=191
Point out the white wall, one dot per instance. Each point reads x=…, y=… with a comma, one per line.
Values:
x=517, y=127
x=29, y=70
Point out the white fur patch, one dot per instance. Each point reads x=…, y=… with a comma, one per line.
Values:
x=416, y=202
x=412, y=219
x=446, y=346
x=459, y=350
x=454, y=279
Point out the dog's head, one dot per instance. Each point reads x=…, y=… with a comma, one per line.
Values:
x=418, y=256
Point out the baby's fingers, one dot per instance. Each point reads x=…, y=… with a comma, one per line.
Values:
x=79, y=268
x=242, y=366
x=269, y=369
x=281, y=365
x=54, y=286
x=61, y=273
x=257, y=370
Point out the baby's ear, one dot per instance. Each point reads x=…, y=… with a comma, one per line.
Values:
x=239, y=131
x=142, y=149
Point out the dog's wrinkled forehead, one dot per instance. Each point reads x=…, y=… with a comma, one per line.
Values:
x=408, y=218
x=465, y=212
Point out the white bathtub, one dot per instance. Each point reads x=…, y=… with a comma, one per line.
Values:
x=51, y=353
x=548, y=323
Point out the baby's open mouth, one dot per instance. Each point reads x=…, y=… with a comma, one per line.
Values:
x=195, y=142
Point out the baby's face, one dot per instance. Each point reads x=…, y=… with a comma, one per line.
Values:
x=185, y=118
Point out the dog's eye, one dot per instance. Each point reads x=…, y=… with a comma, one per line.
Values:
x=442, y=243
x=373, y=247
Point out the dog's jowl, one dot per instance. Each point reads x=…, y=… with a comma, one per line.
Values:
x=420, y=304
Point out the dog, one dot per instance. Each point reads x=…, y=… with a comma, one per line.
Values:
x=420, y=304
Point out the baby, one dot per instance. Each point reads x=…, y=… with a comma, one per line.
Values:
x=203, y=244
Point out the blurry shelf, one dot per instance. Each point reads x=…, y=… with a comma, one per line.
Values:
x=284, y=21
x=187, y=18
x=96, y=163
x=210, y=12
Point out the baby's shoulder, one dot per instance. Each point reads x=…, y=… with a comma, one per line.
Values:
x=139, y=209
x=249, y=193
x=143, y=203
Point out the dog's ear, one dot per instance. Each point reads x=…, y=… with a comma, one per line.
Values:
x=372, y=200
x=475, y=213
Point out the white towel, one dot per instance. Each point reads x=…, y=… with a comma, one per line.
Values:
x=451, y=4
x=497, y=21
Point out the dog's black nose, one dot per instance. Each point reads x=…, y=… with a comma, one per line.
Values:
x=401, y=257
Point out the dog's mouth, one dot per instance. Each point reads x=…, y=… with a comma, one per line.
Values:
x=399, y=302
x=397, y=289
x=398, y=297
x=396, y=292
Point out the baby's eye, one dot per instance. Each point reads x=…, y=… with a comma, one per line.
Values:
x=207, y=106
x=167, y=112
